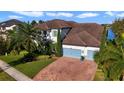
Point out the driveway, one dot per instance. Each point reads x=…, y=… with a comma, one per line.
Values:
x=68, y=69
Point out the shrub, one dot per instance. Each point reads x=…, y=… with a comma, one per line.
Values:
x=13, y=52
x=23, y=52
x=59, y=45
x=29, y=57
x=3, y=46
x=82, y=58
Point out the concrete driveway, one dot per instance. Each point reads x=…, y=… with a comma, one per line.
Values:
x=68, y=69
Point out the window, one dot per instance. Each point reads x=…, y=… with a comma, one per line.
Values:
x=54, y=34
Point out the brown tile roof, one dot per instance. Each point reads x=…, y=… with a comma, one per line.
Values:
x=89, y=39
x=94, y=29
x=73, y=24
x=73, y=39
x=42, y=26
x=57, y=24
x=81, y=34
x=84, y=35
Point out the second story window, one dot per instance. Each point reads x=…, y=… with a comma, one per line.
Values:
x=54, y=33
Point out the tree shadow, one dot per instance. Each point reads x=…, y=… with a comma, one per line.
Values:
x=26, y=58
x=17, y=62
x=1, y=70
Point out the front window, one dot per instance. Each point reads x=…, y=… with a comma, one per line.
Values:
x=54, y=34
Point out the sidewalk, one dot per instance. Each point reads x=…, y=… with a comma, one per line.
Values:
x=17, y=75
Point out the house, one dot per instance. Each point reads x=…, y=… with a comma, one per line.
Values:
x=8, y=25
x=51, y=29
x=78, y=39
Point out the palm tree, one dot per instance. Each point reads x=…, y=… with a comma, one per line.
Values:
x=118, y=66
x=26, y=37
x=110, y=58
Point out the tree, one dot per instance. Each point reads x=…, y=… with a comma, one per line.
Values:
x=102, y=46
x=98, y=57
x=3, y=46
x=110, y=58
x=26, y=37
x=111, y=61
x=33, y=22
x=41, y=21
x=48, y=47
x=118, y=26
x=59, y=45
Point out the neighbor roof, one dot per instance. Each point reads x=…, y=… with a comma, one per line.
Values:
x=10, y=23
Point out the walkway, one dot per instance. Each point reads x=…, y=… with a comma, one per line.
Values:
x=68, y=69
x=17, y=75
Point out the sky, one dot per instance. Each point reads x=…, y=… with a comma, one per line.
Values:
x=101, y=17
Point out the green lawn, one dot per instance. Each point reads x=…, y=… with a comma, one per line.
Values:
x=29, y=68
x=5, y=77
x=99, y=76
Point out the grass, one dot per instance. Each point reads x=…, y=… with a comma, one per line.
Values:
x=99, y=76
x=28, y=68
x=5, y=77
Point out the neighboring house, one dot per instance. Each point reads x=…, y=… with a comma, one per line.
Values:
x=8, y=25
x=78, y=39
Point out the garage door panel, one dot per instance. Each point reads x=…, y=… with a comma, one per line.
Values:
x=90, y=54
x=76, y=53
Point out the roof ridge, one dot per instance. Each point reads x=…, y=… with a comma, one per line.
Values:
x=9, y=20
x=91, y=36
